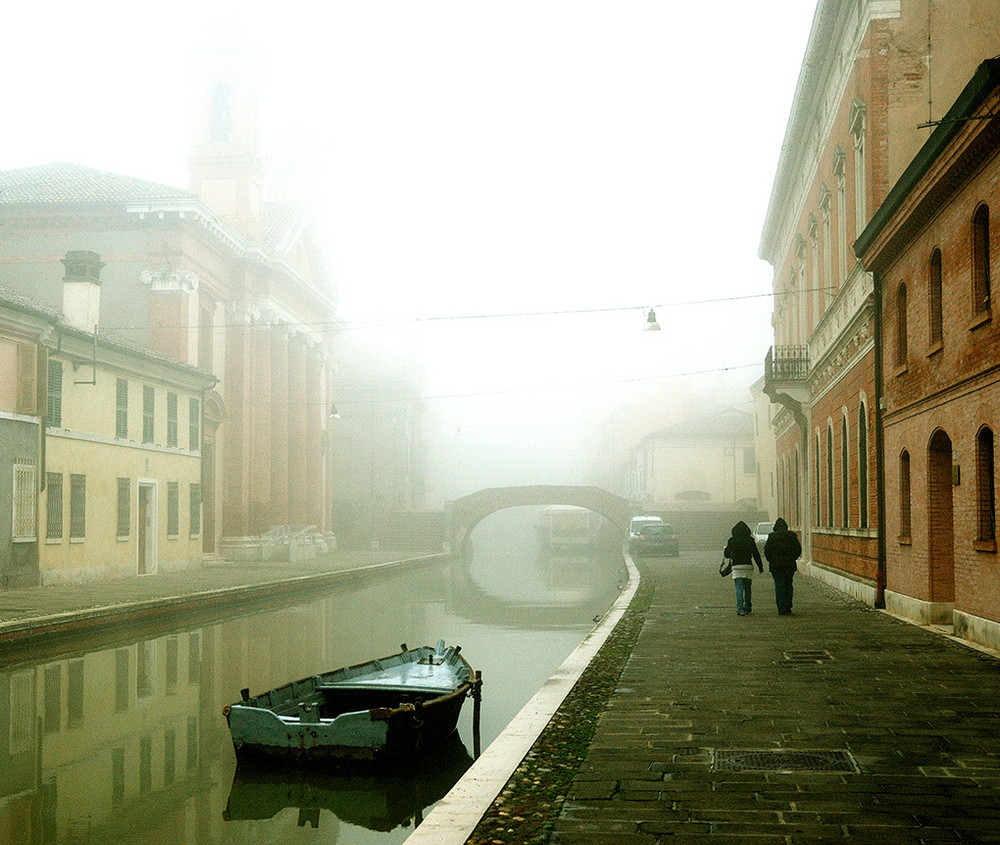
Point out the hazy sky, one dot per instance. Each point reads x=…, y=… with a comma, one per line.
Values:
x=472, y=159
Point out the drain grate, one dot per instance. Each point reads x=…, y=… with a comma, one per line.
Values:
x=807, y=656
x=782, y=760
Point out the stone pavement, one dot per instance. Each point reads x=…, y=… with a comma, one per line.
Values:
x=836, y=723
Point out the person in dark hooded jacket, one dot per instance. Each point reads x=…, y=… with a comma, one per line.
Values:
x=742, y=551
x=782, y=549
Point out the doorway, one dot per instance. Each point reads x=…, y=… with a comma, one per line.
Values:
x=941, y=520
x=146, y=528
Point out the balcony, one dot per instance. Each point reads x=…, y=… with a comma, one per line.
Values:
x=786, y=375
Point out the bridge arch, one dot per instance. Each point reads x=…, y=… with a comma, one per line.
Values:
x=466, y=513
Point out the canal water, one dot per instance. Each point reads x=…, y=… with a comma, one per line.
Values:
x=125, y=742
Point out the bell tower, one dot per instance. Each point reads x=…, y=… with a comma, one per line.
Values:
x=225, y=166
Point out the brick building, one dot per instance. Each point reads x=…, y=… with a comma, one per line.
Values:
x=873, y=71
x=930, y=248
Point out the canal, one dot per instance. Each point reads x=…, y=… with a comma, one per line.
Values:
x=126, y=742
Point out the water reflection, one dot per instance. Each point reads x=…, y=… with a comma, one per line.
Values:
x=126, y=743
x=396, y=797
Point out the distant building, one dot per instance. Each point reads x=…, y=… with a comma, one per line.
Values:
x=216, y=277
x=704, y=461
x=930, y=247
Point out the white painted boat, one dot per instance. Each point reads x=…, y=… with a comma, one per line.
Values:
x=379, y=710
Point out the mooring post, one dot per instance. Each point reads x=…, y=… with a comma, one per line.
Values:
x=477, y=702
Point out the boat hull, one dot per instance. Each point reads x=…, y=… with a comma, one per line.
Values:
x=358, y=714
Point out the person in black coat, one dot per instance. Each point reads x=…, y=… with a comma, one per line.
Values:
x=782, y=549
x=742, y=551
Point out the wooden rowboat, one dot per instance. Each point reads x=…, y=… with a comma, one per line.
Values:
x=375, y=711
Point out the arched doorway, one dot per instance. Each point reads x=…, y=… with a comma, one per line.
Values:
x=940, y=520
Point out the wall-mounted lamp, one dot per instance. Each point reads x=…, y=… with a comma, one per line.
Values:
x=334, y=413
x=651, y=324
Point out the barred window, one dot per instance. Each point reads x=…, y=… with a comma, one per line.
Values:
x=77, y=506
x=121, y=408
x=25, y=500
x=195, y=510
x=124, y=507
x=173, y=509
x=194, y=425
x=171, y=419
x=53, y=413
x=148, y=418
x=53, y=505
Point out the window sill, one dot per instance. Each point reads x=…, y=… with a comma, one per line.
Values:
x=123, y=538
x=935, y=348
x=172, y=536
x=981, y=319
x=900, y=370
x=53, y=541
x=905, y=541
x=77, y=539
x=985, y=545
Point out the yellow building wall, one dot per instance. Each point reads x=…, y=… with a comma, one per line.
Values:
x=85, y=444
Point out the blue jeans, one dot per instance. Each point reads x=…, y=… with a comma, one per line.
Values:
x=743, y=586
x=783, y=591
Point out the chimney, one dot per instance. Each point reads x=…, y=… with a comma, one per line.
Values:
x=82, y=289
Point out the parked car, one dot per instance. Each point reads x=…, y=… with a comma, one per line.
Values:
x=656, y=539
x=635, y=527
x=760, y=533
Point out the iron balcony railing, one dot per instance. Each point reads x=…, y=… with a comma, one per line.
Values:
x=786, y=363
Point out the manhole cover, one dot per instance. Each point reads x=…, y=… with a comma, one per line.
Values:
x=782, y=760
x=807, y=656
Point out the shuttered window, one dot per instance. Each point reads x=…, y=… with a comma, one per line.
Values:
x=77, y=506
x=121, y=409
x=194, y=425
x=195, y=510
x=173, y=509
x=53, y=505
x=53, y=412
x=148, y=408
x=171, y=419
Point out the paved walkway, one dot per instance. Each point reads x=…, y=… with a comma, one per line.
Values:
x=838, y=722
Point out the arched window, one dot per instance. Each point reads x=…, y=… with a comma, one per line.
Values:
x=904, y=496
x=857, y=128
x=901, y=325
x=845, y=513
x=829, y=475
x=986, y=505
x=816, y=480
x=934, y=298
x=981, y=260
x=862, y=466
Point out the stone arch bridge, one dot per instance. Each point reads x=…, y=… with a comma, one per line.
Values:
x=466, y=513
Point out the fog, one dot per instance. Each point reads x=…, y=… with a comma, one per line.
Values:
x=504, y=189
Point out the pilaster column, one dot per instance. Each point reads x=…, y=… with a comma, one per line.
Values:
x=316, y=412
x=261, y=447
x=279, y=426
x=297, y=441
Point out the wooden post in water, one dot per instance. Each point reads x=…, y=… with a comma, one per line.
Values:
x=477, y=700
